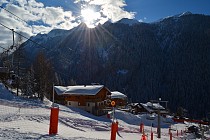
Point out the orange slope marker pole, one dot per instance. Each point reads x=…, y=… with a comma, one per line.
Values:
x=53, y=130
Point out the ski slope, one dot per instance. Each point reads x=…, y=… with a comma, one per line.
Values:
x=29, y=119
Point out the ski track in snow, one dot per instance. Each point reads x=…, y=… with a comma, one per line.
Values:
x=27, y=119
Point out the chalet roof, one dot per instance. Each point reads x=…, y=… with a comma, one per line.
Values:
x=135, y=105
x=151, y=107
x=117, y=94
x=78, y=90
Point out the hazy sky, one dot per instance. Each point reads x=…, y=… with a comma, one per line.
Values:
x=44, y=15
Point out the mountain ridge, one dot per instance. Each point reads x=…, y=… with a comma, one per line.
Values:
x=169, y=58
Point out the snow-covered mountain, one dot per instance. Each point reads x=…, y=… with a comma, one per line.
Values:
x=168, y=59
x=44, y=42
x=175, y=17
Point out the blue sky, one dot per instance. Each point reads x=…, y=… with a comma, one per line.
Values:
x=154, y=10
x=44, y=15
x=149, y=10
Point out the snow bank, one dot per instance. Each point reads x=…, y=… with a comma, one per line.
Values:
x=5, y=93
x=29, y=119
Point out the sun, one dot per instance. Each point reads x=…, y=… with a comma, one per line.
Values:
x=90, y=17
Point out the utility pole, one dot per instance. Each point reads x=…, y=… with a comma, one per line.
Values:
x=13, y=38
x=13, y=44
x=158, y=128
x=18, y=69
x=158, y=112
x=53, y=104
x=18, y=49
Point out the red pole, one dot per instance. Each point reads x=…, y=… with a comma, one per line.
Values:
x=170, y=136
x=144, y=137
x=141, y=128
x=151, y=135
x=53, y=130
x=114, y=128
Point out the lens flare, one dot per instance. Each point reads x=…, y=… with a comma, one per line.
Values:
x=90, y=17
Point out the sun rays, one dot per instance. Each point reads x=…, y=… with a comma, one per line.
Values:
x=90, y=17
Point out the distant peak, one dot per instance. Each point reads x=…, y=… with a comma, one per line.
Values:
x=175, y=17
x=184, y=14
x=128, y=21
x=57, y=32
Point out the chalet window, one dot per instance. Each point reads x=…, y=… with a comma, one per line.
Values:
x=69, y=103
x=78, y=104
x=88, y=104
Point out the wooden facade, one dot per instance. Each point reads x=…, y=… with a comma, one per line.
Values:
x=147, y=108
x=119, y=98
x=120, y=102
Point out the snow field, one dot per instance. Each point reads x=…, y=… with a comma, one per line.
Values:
x=28, y=119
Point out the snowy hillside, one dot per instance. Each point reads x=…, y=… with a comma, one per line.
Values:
x=28, y=119
x=148, y=54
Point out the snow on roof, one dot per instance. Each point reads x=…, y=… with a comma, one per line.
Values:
x=155, y=105
x=78, y=90
x=151, y=107
x=117, y=94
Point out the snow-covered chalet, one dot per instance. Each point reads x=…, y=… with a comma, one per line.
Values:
x=119, y=98
x=91, y=98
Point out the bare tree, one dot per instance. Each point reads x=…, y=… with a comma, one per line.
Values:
x=44, y=76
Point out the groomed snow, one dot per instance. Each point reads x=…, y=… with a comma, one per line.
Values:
x=29, y=119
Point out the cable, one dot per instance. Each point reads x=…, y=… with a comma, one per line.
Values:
x=43, y=47
x=5, y=26
x=17, y=17
x=34, y=43
x=26, y=37
x=4, y=48
x=12, y=14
